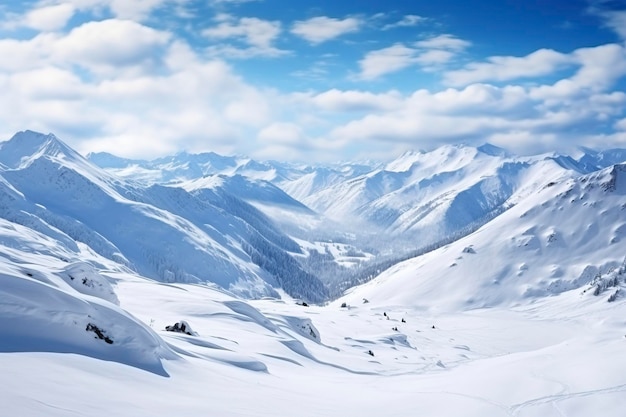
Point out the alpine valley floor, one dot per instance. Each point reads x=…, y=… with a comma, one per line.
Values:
x=559, y=356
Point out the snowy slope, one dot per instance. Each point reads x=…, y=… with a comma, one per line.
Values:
x=53, y=301
x=559, y=238
x=560, y=356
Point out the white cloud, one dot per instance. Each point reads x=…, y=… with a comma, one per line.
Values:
x=50, y=10
x=407, y=21
x=124, y=87
x=47, y=83
x=230, y=51
x=281, y=133
x=49, y=18
x=190, y=103
x=505, y=68
x=258, y=34
x=232, y=1
x=510, y=116
x=433, y=58
x=445, y=42
x=620, y=124
x=321, y=29
x=353, y=101
x=137, y=9
x=616, y=20
x=600, y=66
x=384, y=61
x=613, y=19
x=26, y=54
x=254, y=31
x=109, y=45
x=429, y=53
x=598, y=70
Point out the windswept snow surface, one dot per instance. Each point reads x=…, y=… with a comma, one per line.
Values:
x=557, y=356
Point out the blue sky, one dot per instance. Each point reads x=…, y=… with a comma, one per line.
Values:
x=314, y=80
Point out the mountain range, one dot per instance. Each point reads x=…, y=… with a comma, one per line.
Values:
x=254, y=227
x=489, y=283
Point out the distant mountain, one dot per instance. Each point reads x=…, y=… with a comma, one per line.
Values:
x=593, y=160
x=182, y=166
x=253, y=226
x=434, y=194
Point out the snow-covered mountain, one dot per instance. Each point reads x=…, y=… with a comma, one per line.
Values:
x=249, y=234
x=433, y=194
x=567, y=235
x=166, y=233
x=423, y=195
x=147, y=291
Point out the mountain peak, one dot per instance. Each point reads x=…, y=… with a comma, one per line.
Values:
x=492, y=150
x=28, y=145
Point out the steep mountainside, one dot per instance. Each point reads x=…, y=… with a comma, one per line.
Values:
x=197, y=218
x=161, y=232
x=567, y=235
x=435, y=194
x=420, y=195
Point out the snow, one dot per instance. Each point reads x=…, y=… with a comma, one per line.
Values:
x=522, y=317
x=550, y=242
x=254, y=358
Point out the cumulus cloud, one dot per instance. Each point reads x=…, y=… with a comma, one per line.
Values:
x=520, y=118
x=190, y=103
x=122, y=86
x=254, y=31
x=322, y=28
x=353, y=101
x=281, y=133
x=600, y=66
x=47, y=83
x=504, y=68
x=54, y=15
x=429, y=54
x=386, y=60
x=49, y=18
x=108, y=45
x=258, y=34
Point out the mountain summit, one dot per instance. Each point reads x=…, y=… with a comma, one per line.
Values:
x=27, y=145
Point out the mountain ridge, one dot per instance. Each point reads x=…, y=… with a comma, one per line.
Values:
x=256, y=236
